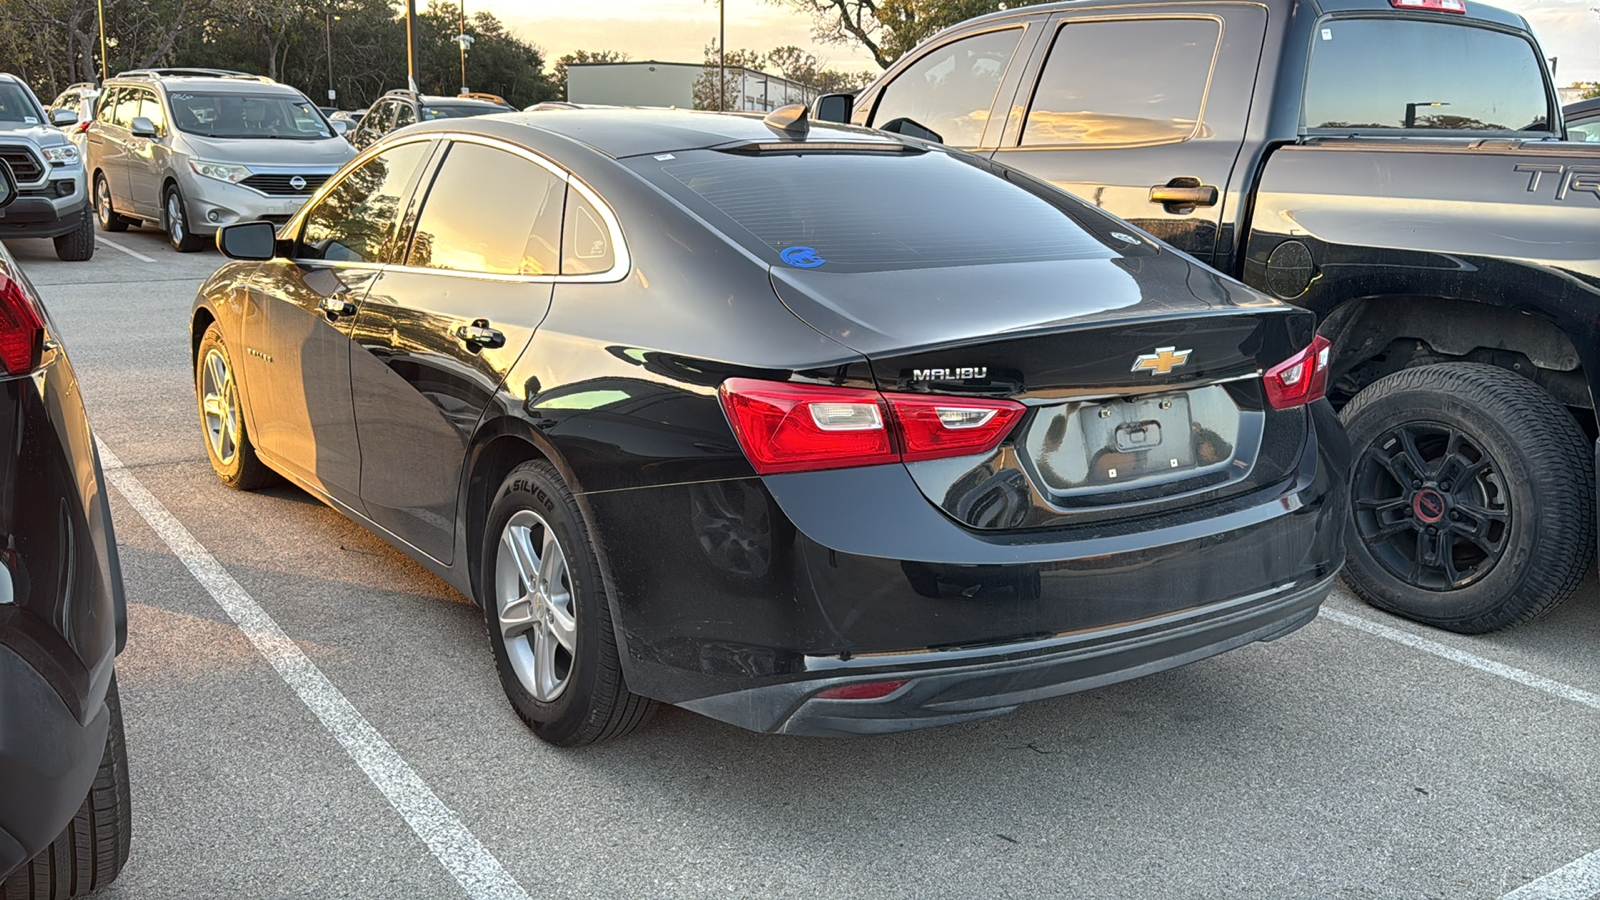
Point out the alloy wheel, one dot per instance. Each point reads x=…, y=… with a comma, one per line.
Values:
x=535, y=606
x=1432, y=506
x=102, y=201
x=219, y=406
x=174, y=217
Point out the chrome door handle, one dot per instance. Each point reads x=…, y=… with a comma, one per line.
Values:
x=337, y=306
x=1183, y=194
x=479, y=334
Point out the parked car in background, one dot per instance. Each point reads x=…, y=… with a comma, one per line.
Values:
x=956, y=442
x=192, y=152
x=1583, y=120
x=52, y=199
x=1385, y=163
x=72, y=100
x=397, y=109
x=353, y=116
x=65, y=822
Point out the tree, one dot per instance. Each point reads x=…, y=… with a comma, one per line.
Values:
x=798, y=65
x=1588, y=89
x=558, y=76
x=888, y=28
x=706, y=87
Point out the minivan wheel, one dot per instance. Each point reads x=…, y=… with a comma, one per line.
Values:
x=233, y=456
x=94, y=846
x=1472, y=497
x=77, y=245
x=175, y=219
x=108, y=217
x=547, y=615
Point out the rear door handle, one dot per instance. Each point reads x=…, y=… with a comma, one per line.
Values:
x=479, y=334
x=1183, y=194
x=336, y=306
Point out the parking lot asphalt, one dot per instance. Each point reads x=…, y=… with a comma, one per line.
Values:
x=1359, y=757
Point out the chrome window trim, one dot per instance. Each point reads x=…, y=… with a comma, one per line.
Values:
x=622, y=263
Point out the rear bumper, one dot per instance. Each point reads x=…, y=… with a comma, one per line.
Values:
x=946, y=688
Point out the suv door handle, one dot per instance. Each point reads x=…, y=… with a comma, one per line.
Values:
x=479, y=334
x=337, y=306
x=1181, y=195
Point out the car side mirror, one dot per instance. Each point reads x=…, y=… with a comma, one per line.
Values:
x=62, y=118
x=833, y=108
x=341, y=127
x=8, y=185
x=142, y=127
x=256, y=241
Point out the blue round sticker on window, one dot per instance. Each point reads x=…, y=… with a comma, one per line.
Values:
x=801, y=257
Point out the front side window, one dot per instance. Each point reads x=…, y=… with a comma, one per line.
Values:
x=515, y=233
x=1407, y=74
x=950, y=90
x=150, y=108
x=1140, y=81
x=238, y=115
x=127, y=107
x=403, y=115
x=353, y=222
x=1588, y=132
x=107, y=106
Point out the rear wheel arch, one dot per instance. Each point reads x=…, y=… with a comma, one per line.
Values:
x=500, y=447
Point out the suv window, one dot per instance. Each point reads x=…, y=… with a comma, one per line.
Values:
x=127, y=107
x=404, y=115
x=1162, y=69
x=951, y=89
x=150, y=108
x=107, y=104
x=1400, y=73
x=354, y=220
x=516, y=234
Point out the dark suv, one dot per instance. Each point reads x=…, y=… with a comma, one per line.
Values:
x=64, y=807
x=397, y=109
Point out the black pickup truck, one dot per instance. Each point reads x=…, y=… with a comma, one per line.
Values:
x=1394, y=165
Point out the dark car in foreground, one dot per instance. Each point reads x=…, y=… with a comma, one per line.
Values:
x=811, y=431
x=64, y=806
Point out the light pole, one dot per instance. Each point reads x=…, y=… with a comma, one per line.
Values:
x=465, y=40
x=411, y=44
x=102, y=6
x=332, y=94
x=722, y=55
x=1411, y=111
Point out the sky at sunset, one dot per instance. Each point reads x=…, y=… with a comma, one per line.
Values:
x=678, y=30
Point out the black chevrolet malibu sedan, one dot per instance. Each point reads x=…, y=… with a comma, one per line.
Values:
x=64, y=805
x=811, y=430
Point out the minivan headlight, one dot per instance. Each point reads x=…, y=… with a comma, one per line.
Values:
x=62, y=155
x=228, y=172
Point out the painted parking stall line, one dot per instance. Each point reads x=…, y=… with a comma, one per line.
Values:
x=116, y=246
x=456, y=848
x=1577, y=880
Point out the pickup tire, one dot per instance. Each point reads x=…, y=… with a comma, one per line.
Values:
x=94, y=846
x=1472, y=497
x=77, y=245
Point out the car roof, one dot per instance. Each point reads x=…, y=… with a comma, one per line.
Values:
x=623, y=132
x=1582, y=107
x=1475, y=10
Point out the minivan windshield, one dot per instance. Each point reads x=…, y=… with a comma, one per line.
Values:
x=433, y=111
x=239, y=115
x=17, y=109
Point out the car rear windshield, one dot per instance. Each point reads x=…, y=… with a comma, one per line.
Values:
x=234, y=115
x=1439, y=76
x=872, y=211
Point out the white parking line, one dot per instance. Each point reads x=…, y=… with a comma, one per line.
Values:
x=1578, y=880
x=456, y=848
x=116, y=246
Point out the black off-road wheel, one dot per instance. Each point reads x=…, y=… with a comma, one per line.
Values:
x=547, y=615
x=94, y=846
x=1472, y=497
x=77, y=245
x=110, y=219
x=228, y=446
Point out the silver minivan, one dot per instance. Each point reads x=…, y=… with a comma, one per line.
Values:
x=191, y=152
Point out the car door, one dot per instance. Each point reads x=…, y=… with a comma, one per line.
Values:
x=110, y=135
x=147, y=158
x=1134, y=113
x=437, y=335
x=299, y=313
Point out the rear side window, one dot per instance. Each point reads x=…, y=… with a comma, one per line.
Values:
x=586, y=242
x=354, y=220
x=862, y=212
x=1402, y=73
x=951, y=89
x=1141, y=81
x=490, y=211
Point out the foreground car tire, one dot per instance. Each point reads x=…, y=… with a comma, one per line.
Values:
x=548, y=620
x=109, y=219
x=233, y=456
x=175, y=219
x=1472, y=497
x=78, y=244
x=94, y=846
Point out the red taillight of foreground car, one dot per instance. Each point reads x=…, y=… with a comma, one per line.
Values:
x=1301, y=378
x=862, y=690
x=786, y=427
x=21, y=329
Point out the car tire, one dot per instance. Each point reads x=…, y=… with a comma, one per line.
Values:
x=1497, y=523
x=583, y=697
x=110, y=219
x=94, y=846
x=77, y=245
x=175, y=221
x=228, y=446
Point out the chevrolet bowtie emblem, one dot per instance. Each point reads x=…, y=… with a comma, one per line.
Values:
x=1161, y=362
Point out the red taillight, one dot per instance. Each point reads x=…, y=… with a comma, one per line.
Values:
x=802, y=427
x=1301, y=378
x=83, y=126
x=1449, y=6
x=865, y=690
x=21, y=329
